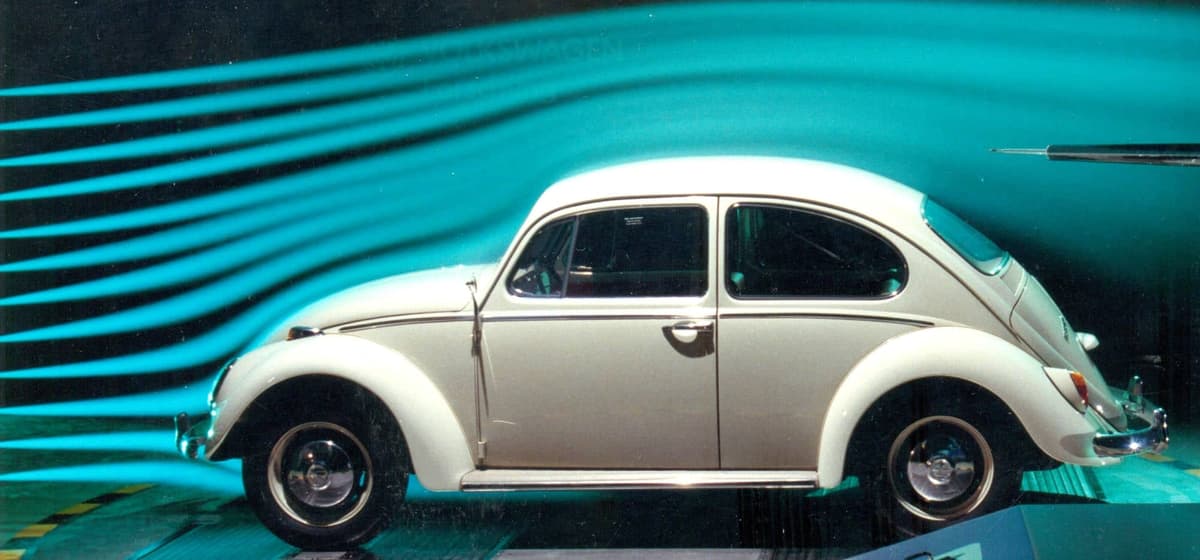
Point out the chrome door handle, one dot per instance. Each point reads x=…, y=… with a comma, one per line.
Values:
x=688, y=331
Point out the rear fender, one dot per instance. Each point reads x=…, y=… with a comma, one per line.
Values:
x=1015, y=377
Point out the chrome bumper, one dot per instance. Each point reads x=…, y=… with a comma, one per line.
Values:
x=191, y=437
x=1152, y=437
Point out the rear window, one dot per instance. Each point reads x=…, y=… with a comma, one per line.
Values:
x=975, y=247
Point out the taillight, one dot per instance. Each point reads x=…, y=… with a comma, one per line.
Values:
x=1071, y=385
x=1080, y=386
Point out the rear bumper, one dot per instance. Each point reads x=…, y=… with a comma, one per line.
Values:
x=1147, y=434
x=192, y=435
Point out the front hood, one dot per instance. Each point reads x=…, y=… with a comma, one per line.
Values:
x=1039, y=322
x=442, y=290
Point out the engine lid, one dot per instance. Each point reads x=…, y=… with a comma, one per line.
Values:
x=1039, y=322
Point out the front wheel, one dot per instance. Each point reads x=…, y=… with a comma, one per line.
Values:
x=324, y=483
x=940, y=469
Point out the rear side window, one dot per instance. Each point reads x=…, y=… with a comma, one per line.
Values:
x=973, y=246
x=773, y=251
x=628, y=252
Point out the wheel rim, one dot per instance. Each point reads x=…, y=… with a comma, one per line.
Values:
x=940, y=468
x=320, y=474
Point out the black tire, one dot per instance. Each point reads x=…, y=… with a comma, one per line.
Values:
x=934, y=470
x=324, y=482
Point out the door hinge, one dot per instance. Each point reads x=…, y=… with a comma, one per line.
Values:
x=481, y=449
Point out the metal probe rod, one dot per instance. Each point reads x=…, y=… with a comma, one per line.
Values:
x=1148, y=154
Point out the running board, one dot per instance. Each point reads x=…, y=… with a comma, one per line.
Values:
x=537, y=479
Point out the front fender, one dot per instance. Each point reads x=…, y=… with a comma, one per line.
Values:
x=437, y=444
x=974, y=356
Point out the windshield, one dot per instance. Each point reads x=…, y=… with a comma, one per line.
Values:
x=975, y=247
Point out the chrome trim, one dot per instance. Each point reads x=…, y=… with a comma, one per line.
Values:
x=191, y=437
x=403, y=320
x=699, y=326
x=301, y=331
x=535, y=479
x=596, y=317
x=848, y=316
x=1151, y=439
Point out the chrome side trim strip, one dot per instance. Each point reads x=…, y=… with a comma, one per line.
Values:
x=412, y=320
x=596, y=317
x=847, y=316
x=536, y=479
x=401, y=320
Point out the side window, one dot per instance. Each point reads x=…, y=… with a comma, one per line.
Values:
x=641, y=252
x=629, y=252
x=773, y=251
x=541, y=269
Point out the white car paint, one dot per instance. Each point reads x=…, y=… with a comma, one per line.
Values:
x=451, y=412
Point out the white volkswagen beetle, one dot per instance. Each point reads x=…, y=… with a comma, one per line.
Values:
x=691, y=322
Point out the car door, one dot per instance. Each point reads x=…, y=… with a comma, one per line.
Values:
x=805, y=293
x=598, y=340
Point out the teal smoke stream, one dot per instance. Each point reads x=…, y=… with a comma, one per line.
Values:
x=238, y=285
x=254, y=221
x=239, y=331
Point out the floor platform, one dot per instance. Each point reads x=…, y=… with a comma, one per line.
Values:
x=71, y=495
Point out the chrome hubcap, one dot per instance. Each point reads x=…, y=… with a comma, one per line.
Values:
x=319, y=474
x=940, y=468
x=317, y=477
x=942, y=473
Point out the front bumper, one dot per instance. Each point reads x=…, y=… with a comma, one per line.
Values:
x=191, y=436
x=1147, y=432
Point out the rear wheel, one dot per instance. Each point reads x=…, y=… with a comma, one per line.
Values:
x=325, y=482
x=939, y=469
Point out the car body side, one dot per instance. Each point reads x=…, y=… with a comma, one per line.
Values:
x=412, y=341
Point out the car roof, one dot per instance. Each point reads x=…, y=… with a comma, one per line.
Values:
x=818, y=182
